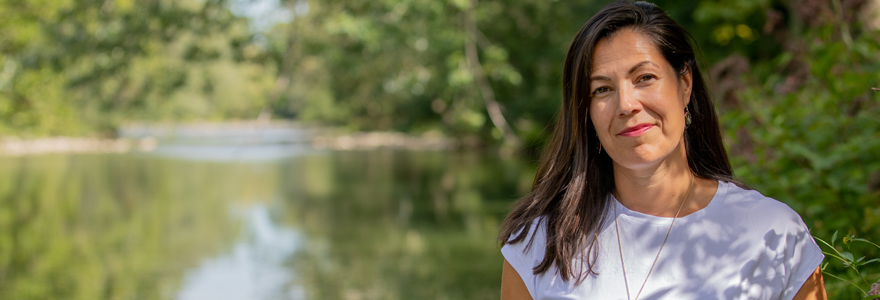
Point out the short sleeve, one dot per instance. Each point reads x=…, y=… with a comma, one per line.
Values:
x=523, y=259
x=803, y=256
x=789, y=239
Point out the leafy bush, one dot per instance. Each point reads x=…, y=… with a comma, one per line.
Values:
x=848, y=260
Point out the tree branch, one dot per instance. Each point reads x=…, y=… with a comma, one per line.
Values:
x=473, y=60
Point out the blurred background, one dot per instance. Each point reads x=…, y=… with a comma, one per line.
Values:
x=344, y=149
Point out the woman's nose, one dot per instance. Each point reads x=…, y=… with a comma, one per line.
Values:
x=628, y=102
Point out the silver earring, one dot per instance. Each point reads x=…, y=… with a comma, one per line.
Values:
x=687, y=118
x=599, y=142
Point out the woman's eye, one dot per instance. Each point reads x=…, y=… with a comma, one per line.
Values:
x=646, y=77
x=600, y=90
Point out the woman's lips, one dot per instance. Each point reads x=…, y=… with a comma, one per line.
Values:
x=635, y=130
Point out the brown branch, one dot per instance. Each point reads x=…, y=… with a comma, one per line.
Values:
x=473, y=60
x=481, y=38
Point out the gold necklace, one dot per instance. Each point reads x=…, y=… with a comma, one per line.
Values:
x=620, y=248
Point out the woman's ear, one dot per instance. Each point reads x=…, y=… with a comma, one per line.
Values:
x=686, y=82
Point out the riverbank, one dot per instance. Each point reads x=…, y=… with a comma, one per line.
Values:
x=14, y=146
x=147, y=137
x=375, y=140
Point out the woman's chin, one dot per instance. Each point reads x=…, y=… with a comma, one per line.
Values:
x=641, y=160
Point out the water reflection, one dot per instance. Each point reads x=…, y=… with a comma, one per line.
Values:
x=316, y=225
x=254, y=267
x=110, y=226
x=246, y=153
x=399, y=225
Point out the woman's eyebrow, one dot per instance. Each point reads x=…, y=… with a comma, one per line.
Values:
x=631, y=70
x=595, y=78
x=639, y=65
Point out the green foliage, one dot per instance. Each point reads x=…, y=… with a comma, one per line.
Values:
x=402, y=64
x=802, y=126
x=76, y=67
x=849, y=261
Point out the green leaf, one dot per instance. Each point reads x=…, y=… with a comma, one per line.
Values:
x=848, y=256
x=833, y=238
x=870, y=261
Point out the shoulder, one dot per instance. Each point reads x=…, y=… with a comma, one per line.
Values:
x=525, y=255
x=783, y=235
x=774, y=238
x=779, y=228
x=760, y=210
x=535, y=238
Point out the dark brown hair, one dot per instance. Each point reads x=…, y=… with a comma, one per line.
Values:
x=574, y=179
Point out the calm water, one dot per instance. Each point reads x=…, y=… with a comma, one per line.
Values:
x=226, y=217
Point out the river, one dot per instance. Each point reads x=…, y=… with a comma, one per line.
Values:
x=242, y=213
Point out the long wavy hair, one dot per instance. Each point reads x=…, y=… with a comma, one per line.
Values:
x=574, y=179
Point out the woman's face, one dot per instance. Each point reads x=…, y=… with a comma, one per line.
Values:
x=638, y=101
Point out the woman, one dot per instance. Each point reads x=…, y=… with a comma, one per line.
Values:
x=635, y=197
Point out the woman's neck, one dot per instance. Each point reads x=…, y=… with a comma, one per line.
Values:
x=658, y=190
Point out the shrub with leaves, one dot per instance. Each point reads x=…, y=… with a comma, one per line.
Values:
x=845, y=255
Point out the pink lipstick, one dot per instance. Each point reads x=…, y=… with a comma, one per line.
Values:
x=636, y=130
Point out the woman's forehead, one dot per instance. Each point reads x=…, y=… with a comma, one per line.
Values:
x=624, y=50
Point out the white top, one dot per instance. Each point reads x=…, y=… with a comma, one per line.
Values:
x=743, y=245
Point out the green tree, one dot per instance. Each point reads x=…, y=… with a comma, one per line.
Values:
x=76, y=67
